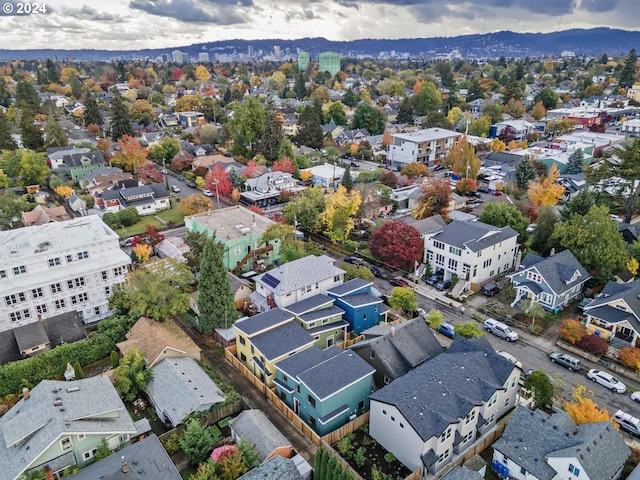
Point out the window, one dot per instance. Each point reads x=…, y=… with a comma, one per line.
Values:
x=298, y=388
x=364, y=317
x=438, y=245
x=285, y=378
x=69, y=258
x=393, y=419
x=486, y=263
x=105, y=275
x=242, y=341
x=83, y=255
x=76, y=282
x=237, y=250
x=40, y=309
x=54, y=261
x=3, y=274
x=384, y=412
x=445, y=435
x=443, y=456
x=81, y=436
x=10, y=300
x=59, y=304
x=336, y=278
x=118, y=271
x=19, y=315
x=252, y=350
x=37, y=293
x=96, y=310
x=453, y=265
x=534, y=277
x=401, y=425
x=523, y=471
x=372, y=354
x=386, y=380
x=311, y=420
x=455, y=251
x=107, y=290
x=470, y=416
x=574, y=470
x=308, y=288
x=56, y=288
x=361, y=405
x=243, y=357
x=311, y=400
x=65, y=443
x=90, y=454
x=82, y=297
x=19, y=270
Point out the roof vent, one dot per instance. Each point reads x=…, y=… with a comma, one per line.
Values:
x=58, y=403
x=73, y=389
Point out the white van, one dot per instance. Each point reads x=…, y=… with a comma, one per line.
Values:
x=500, y=329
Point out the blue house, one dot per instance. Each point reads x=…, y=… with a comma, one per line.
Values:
x=325, y=388
x=361, y=308
x=553, y=282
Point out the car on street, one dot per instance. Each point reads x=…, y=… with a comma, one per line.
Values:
x=375, y=271
x=421, y=312
x=635, y=396
x=175, y=188
x=531, y=227
x=207, y=193
x=500, y=329
x=484, y=189
x=354, y=260
x=491, y=289
x=606, y=380
x=567, y=361
x=447, y=330
x=497, y=193
x=190, y=184
x=628, y=422
x=398, y=282
x=443, y=285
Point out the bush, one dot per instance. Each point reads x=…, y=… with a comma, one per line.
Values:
x=115, y=359
x=129, y=216
x=630, y=357
x=112, y=219
x=594, y=344
x=172, y=444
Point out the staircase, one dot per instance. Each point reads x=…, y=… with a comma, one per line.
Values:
x=460, y=287
x=250, y=255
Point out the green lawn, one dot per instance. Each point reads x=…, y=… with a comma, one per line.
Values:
x=174, y=216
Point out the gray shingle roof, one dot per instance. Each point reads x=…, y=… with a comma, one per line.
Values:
x=475, y=236
x=30, y=335
x=300, y=273
x=263, y=321
x=360, y=299
x=255, y=428
x=296, y=364
x=309, y=304
x=612, y=293
x=33, y=424
x=276, y=468
x=349, y=287
x=147, y=460
x=443, y=390
x=322, y=313
x=461, y=473
x=533, y=436
x=182, y=374
x=283, y=339
x=76, y=159
x=557, y=270
x=426, y=225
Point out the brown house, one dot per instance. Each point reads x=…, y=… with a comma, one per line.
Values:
x=159, y=341
x=41, y=215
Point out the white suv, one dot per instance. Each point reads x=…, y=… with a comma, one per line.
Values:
x=500, y=329
x=628, y=422
x=606, y=380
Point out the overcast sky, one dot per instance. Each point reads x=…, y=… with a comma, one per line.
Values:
x=133, y=24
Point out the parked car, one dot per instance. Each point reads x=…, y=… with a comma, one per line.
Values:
x=398, y=282
x=443, y=285
x=375, y=271
x=354, y=165
x=567, y=361
x=484, y=189
x=500, y=329
x=497, y=193
x=635, y=396
x=320, y=246
x=628, y=422
x=447, y=330
x=191, y=184
x=490, y=289
x=207, y=193
x=354, y=260
x=531, y=227
x=434, y=278
x=606, y=380
x=421, y=312
x=175, y=188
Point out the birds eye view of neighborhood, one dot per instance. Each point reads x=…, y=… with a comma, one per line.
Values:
x=337, y=240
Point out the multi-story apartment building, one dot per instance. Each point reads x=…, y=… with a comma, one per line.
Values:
x=429, y=146
x=57, y=268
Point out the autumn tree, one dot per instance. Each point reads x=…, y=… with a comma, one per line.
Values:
x=403, y=298
x=305, y=208
x=285, y=165
x=142, y=112
x=480, y=126
x=461, y=159
x=436, y=196
x=215, y=299
x=218, y=180
x=504, y=215
x=498, y=145
x=337, y=216
x=235, y=196
x=434, y=318
x=583, y=409
x=538, y=111
x=131, y=155
x=64, y=191
x=188, y=103
x=594, y=240
x=546, y=191
x=630, y=357
x=132, y=375
x=397, y=244
x=194, y=204
x=415, y=169
x=148, y=173
x=140, y=253
x=276, y=231
x=202, y=73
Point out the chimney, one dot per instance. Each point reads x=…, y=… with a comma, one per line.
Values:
x=25, y=393
x=125, y=466
x=48, y=473
x=253, y=223
x=393, y=331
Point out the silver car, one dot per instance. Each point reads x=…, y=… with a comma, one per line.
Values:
x=606, y=380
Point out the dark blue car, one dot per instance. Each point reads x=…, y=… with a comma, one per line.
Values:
x=447, y=330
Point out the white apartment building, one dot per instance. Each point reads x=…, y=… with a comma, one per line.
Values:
x=429, y=146
x=57, y=268
x=474, y=251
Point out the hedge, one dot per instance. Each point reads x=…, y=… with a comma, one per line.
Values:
x=52, y=364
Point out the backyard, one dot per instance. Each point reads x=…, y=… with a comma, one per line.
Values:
x=167, y=218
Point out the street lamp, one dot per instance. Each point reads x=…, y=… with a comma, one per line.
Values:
x=215, y=184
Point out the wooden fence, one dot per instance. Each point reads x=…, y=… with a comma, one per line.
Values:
x=352, y=426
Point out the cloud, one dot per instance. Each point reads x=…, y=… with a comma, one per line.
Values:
x=91, y=14
x=598, y=6
x=188, y=11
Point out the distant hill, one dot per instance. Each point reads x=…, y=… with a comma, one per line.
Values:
x=594, y=41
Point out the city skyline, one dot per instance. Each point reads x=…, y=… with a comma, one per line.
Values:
x=139, y=24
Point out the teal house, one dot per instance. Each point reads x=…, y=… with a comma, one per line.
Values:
x=240, y=231
x=362, y=309
x=325, y=388
x=77, y=165
x=321, y=319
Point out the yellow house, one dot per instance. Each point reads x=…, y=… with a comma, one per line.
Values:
x=265, y=339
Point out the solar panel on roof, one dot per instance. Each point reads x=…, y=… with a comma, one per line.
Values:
x=270, y=280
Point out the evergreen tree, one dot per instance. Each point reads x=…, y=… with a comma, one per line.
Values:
x=320, y=464
x=77, y=369
x=196, y=442
x=579, y=204
x=27, y=94
x=54, y=136
x=310, y=130
x=120, y=118
x=475, y=91
x=347, y=179
x=273, y=134
x=91, y=111
x=32, y=137
x=6, y=141
x=52, y=73
x=405, y=111
x=575, y=163
x=215, y=301
x=524, y=173
x=5, y=96
x=350, y=99
x=300, y=88
x=628, y=73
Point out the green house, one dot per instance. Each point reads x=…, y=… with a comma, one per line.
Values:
x=321, y=319
x=77, y=165
x=240, y=231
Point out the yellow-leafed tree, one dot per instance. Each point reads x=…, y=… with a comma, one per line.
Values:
x=632, y=266
x=202, y=73
x=546, y=192
x=142, y=252
x=64, y=191
x=340, y=206
x=462, y=159
x=498, y=145
x=194, y=204
x=584, y=410
x=235, y=196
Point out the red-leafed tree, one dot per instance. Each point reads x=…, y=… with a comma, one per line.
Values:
x=182, y=161
x=148, y=173
x=436, y=195
x=389, y=179
x=219, y=178
x=131, y=156
x=397, y=244
x=155, y=237
x=466, y=185
x=250, y=170
x=256, y=209
x=285, y=165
